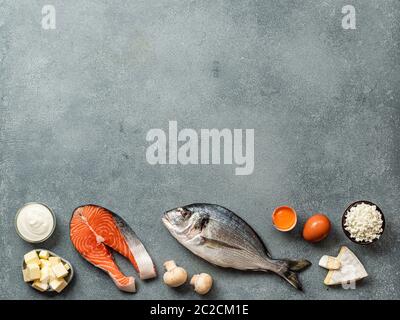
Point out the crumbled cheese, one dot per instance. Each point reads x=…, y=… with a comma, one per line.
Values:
x=364, y=223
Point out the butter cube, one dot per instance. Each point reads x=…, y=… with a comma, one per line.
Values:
x=52, y=275
x=45, y=263
x=44, y=254
x=34, y=271
x=54, y=260
x=67, y=267
x=59, y=270
x=58, y=284
x=25, y=273
x=45, y=274
x=40, y=286
x=31, y=257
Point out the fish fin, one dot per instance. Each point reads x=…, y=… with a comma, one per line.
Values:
x=298, y=265
x=291, y=277
x=287, y=270
x=214, y=244
x=267, y=253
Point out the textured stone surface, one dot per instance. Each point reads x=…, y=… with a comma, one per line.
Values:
x=77, y=102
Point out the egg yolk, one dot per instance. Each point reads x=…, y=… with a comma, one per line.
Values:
x=284, y=218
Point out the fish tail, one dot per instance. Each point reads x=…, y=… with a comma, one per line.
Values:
x=287, y=270
x=298, y=265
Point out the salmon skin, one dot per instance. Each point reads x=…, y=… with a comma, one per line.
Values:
x=93, y=229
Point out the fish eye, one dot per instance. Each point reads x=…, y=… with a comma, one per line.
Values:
x=204, y=223
x=184, y=213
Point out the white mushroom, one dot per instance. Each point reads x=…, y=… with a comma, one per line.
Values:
x=175, y=276
x=202, y=283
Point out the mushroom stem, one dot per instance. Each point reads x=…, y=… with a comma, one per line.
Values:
x=194, y=279
x=169, y=265
x=174, y=276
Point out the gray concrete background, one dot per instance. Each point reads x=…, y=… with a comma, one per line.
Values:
x=77, y=102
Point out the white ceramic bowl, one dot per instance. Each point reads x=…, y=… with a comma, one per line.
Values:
x=52, y=230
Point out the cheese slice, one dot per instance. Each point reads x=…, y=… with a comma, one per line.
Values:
x=351, y=269
x=330, y=263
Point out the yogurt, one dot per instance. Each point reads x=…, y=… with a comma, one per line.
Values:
x=35, y=222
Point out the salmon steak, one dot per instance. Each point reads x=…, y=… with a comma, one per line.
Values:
x=94, y=230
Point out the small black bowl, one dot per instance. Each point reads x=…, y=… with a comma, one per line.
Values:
x=364, y=243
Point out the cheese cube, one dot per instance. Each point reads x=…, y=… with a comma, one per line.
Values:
x=34, y=271
x=45, y=274
x=52, y=275
x=25, y=273
x=44, y=254
x=31, y=257
x=54, y=260
x=58, y=284
x=45, y=263
x=40, y=286
x=59, y=270
x=67, y=267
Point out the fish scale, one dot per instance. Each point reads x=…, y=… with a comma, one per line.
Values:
x=233, y=238
x=228, y=218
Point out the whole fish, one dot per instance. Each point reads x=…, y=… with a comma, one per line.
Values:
x=221, y=237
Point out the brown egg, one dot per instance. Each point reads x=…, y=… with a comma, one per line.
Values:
x=316, y=228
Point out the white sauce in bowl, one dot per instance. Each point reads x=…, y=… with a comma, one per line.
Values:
x=35, y=222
